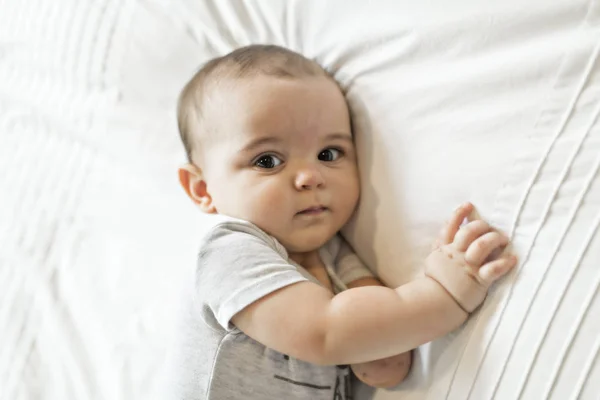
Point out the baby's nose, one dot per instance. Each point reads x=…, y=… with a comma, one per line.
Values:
x=308, y=178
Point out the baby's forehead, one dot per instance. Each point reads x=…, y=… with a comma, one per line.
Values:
x=252, y=87
x=247, y=64
x=291, y=111
x=273, y=99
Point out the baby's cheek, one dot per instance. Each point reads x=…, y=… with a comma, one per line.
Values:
x=270, y=203
x=348, y=195
x=274, y=199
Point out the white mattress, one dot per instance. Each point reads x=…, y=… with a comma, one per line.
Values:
x=494, y=102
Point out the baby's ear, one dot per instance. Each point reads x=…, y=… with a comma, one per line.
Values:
x=192, y=181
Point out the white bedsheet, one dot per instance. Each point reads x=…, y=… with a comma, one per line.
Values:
x=494, y=102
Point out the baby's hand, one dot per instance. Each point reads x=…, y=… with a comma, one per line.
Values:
x=460, y=262
x=385, y=373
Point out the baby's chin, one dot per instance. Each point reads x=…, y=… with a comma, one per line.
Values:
x=306, y=242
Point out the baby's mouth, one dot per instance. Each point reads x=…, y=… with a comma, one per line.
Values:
x=316, y=210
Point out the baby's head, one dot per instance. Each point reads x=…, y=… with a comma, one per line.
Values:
x=268, y=138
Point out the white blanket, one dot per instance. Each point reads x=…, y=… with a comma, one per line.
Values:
x=494, y=102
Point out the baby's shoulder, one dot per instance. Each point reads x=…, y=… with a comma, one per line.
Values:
x=227, y=234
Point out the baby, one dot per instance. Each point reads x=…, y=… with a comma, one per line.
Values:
x=280, y=307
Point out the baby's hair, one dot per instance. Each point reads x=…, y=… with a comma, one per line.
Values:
x=248, y=61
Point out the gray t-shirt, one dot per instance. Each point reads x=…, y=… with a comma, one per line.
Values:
x=213, y=360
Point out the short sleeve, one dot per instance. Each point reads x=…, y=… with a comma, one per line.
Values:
x=237, y=265
x=348, y=265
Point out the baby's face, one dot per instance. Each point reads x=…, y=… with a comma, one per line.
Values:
x=282, y=157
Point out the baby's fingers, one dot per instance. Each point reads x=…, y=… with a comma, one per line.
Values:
x=455, y=222
x=469, y=233
x=496, y=269
x=483, y=246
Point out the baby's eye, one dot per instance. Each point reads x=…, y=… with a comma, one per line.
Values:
x=267, y=161
x=330, y=154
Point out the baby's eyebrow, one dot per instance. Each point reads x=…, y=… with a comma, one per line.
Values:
x=259, y=142
x=338, y=135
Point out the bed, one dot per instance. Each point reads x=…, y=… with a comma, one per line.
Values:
x=494, y=102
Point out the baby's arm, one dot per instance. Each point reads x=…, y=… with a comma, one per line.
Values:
x=305, y=320
x=386, y=372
